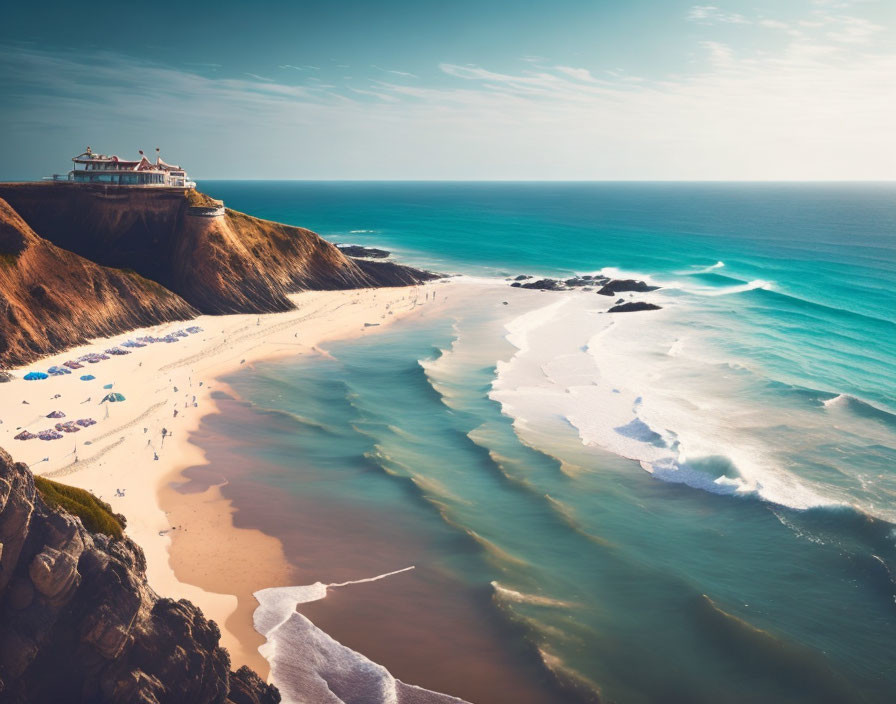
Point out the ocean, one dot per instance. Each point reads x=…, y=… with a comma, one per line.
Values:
x=694, y=504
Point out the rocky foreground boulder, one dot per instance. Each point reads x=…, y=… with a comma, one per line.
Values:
x=79, y=623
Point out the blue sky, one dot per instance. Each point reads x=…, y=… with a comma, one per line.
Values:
x=568, y=89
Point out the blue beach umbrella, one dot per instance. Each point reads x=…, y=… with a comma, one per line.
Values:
x=88, y=377
x=108, y=386
x=35, y=376
x=112, y=398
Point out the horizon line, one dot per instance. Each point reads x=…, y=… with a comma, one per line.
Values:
x=557, y=180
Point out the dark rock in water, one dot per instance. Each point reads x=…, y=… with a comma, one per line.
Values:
x=356, y=250
x=545, y=285
x=80, y=624
x=621, y=285
x=392, y=274
x=620, y=300
x=522, y=277
x=578, y=281
x=516, y=284
x=633, y=307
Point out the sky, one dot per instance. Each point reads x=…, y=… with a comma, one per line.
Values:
x=467, y=89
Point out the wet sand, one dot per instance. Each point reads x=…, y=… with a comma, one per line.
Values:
x=425, y=626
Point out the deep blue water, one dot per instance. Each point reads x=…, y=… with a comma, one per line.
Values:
x=755, y=559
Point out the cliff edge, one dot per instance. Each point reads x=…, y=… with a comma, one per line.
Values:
x=228, y=263
x=78, y=622
x=51, y=298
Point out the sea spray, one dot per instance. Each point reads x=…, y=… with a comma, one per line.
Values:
x=308, y=665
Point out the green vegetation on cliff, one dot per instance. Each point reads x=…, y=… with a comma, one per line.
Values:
x=96, y=515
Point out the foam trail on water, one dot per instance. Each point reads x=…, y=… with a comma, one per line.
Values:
x=307, y=665
x=524, y=598
x=625, y=385
x=703, y=270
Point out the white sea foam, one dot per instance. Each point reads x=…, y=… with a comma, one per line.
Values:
x=307, y=665
x=704, y=270
x=525, y=598
x=478, y=280
x=839, y=399
x=625, y=385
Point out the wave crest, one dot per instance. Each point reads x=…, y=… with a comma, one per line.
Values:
x=327, y=672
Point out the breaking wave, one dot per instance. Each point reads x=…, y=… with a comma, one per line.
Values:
x=308, y=665
x=601, y=377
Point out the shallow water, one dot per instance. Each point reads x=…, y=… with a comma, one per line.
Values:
x=504, y=451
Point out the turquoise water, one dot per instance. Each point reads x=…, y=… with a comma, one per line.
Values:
x=692, y=505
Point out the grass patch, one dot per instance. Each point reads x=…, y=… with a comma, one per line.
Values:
x=97, y=516
x=197, y=199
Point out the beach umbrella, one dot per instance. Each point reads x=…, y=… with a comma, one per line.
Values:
x=108, y=386
x=56, y=414
x=25, y=435
x=88, y=377
x=34, y=376
x=112, y=398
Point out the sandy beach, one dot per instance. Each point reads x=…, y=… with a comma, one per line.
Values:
x=138, y=447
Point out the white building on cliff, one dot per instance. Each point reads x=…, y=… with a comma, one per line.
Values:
x=110, y=170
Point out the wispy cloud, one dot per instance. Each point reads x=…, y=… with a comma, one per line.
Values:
x=259, y=78
x=403, y=74
x=709, y=14
x=820, y=107
x=851, y=30
x=583, y=74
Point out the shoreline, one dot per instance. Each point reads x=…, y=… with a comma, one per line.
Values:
x=158, y=382
x=336, y=542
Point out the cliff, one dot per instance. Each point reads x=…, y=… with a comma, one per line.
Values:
x=78, y=622
x=234, y=263
x=51, y=298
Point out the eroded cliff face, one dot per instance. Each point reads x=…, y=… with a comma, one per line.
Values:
x=230, y=264
x=51, y=298
x=78, y=622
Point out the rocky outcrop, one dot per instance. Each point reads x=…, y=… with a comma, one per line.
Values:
x=633, y=307
x=78, y=622
x=51, y=298
x=80, y=261
x=356, y=250
x=609, y=287
x=234, y=263
x=544, y=285
x=615, y=286
x=584, y=282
